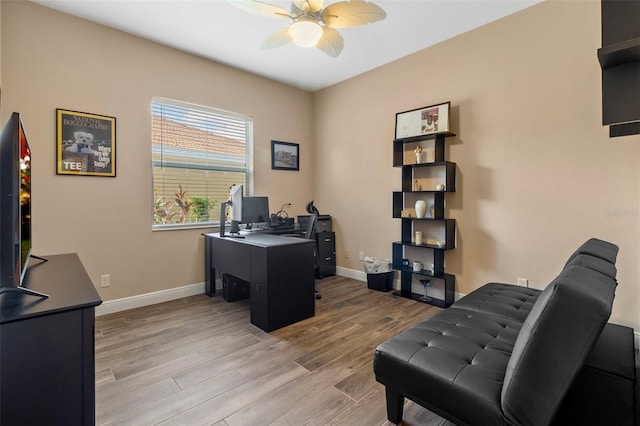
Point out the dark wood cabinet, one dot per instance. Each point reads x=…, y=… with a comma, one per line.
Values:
x=47, y=358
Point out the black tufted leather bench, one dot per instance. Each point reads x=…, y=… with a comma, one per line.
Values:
x=508, y=355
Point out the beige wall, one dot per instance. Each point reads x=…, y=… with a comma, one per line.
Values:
x=1, y=1
x=537, y=174
x=51, y=60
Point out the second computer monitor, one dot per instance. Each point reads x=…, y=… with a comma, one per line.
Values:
x=255, y=210
x=236, y=199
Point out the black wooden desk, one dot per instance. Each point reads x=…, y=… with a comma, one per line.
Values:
x=47, y=359
x=280, y=271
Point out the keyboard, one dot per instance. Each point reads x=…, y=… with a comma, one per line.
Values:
x=279, y=228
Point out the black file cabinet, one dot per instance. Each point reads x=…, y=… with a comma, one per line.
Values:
x=326, y=244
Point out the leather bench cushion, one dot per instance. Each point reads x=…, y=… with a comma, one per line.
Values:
x=506, y=300
x=604, y=392
x=614, y=352
x=454, y=363
x=555, y=339
x=597, y=248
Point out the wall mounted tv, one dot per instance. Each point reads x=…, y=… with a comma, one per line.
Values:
x=15, y=208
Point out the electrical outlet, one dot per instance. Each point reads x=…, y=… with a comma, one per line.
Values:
x=523, y=282
x=105, y=280
x=361, y=255
x=347, y=253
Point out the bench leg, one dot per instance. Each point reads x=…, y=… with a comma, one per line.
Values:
x=395, y=405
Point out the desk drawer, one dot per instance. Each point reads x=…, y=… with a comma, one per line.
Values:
x=326, y=242
x=323, y=225
x=231, y=256
x=326, y=264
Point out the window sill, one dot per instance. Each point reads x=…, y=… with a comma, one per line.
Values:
x=181, y=226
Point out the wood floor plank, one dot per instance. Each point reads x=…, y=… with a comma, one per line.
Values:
x=320, y=407
x=137, y=400
x=280, y=402
x=224, y=405
x=165, y=408
x=360, y=383
x=371, y=410
x=199, y=361
x=106, y=392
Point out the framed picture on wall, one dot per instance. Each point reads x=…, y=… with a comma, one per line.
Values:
x=86, y=144
x=423, y=121
x=285, y=156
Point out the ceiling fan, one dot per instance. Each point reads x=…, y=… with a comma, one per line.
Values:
x=311, y=24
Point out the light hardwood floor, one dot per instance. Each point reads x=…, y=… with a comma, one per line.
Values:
x=199, y=361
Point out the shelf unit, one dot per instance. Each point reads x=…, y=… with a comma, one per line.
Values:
x=620, y=62
x=419, y=182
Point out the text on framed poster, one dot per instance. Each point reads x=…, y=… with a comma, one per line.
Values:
x=86, y=144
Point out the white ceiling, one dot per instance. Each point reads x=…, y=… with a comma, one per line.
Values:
x=218, y=31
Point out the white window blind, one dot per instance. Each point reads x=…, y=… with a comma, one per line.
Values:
x=198, y=153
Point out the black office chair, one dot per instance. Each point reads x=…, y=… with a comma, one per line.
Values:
x=310, y=234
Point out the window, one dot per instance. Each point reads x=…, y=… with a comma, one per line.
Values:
x=198, y=153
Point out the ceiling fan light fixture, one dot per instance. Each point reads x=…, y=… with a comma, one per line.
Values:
x=305, y=33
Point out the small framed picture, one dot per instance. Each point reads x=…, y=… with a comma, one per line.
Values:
x=86, y=144
x=423, y=121
x=285, y=156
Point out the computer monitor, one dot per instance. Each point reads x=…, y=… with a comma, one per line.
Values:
x=236, y=197
x=235, y=201
x=255, y=210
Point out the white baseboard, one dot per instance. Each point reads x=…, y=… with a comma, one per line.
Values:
x=351, y=273
x=138, y=301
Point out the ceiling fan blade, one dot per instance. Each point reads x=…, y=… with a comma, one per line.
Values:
x=277, y=39
x=309, y=5
x=331, y=42
x=260, y=8
x=351, y=13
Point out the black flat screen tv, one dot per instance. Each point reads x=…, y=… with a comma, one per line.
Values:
x=15, y=207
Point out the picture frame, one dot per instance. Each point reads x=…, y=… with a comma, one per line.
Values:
x=423, y=121
x=285, y=156
x=85, y=144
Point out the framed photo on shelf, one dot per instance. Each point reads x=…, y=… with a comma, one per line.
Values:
x=86, y=144
x=285, y=156
x=423, y=121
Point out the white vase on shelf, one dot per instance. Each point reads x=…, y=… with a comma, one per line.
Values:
x=421, y=208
